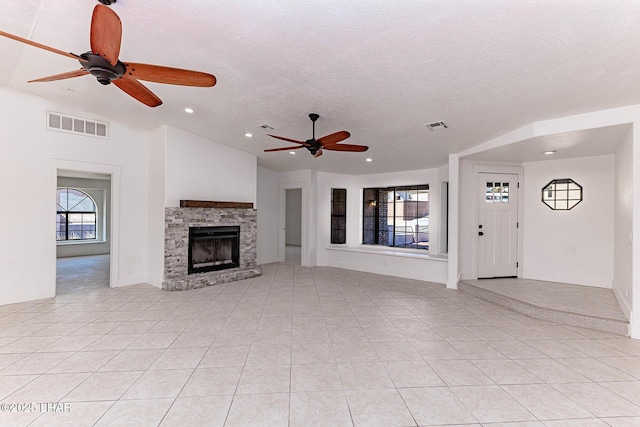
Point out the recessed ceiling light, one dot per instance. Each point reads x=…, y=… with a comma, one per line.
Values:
x=549, y=152
x=292, y=152
x=248, y=134
x=369, y=160
x=188, y=110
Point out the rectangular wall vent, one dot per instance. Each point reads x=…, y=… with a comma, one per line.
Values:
x=77, y=125
x=437, y=126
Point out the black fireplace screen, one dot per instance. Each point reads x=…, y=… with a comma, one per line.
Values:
x=213, y=248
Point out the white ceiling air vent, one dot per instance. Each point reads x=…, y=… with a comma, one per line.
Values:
x=77, y=125
x=437, y=126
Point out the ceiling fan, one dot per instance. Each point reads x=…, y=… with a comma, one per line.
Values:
x=102, y=62
x=315, y=146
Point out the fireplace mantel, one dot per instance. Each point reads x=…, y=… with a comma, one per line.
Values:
x=215, y=204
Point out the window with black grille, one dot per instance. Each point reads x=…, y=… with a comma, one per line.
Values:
x=338, y=215
x=75, y=215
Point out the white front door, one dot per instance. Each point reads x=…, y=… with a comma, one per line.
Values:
x=497, y=225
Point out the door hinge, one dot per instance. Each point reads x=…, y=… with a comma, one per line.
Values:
x=517, y=264
x=518, y=185
x=517, y=225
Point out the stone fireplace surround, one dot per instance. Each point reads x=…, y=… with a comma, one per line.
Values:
x=176, y=245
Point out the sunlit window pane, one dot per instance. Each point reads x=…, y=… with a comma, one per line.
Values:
x=397, y=216
x=76, y=217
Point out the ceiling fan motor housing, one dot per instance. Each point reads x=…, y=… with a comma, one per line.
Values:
x=102, y=69
x=313, y=146
x=107, y=2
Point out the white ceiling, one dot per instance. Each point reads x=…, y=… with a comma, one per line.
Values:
x=379, y=69
x=592, y=142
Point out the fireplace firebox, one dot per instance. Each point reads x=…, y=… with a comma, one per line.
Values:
x=213, y=248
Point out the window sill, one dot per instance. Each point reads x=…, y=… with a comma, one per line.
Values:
x=390, y=251
x=80, y=242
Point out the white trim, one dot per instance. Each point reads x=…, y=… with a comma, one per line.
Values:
x=390, y=250
x=114, y=172
x=78, y=242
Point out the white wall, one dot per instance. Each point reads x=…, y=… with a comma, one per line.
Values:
x=467, y=221
x=157, y=158
x=31, y=152
x=623, y=224
x=200, y=169
x=267, y=205
x=100, y=192
x=572, y=246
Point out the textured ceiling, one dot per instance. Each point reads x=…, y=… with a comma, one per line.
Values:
x=378, y=69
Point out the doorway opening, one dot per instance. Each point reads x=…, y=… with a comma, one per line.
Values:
x=293, y=225
x=83, y=231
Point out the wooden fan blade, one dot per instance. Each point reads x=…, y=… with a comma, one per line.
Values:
x=318, y=153
x=168, y=75
x=290, y=140
x=137, y=90
x=347, y=147
x=106, y=33
x=41, y=46
x=67, y=75
x=284, y=148
x=334, y=138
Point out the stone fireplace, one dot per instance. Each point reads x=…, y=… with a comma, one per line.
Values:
x=207, y=246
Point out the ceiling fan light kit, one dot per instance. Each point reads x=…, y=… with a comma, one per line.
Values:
x=316, y=146
x=103, y=63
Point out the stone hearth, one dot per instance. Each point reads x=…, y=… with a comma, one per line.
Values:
x=176, y=246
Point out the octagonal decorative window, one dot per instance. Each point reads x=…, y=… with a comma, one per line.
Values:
x=562, y=194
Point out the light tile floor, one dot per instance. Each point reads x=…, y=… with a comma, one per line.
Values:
x=81, y=273
x=306, y=347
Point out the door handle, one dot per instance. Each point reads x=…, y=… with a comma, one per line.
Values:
x=480, y=233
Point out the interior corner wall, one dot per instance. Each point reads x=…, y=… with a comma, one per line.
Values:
x=570, y=246
x=467, y=222
x=157, y=158
x=100, y=192
x=27, y=150
x=623, y=224
x=200, y=169
x=267, y=205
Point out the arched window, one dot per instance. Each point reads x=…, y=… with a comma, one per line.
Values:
x=76, y=215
